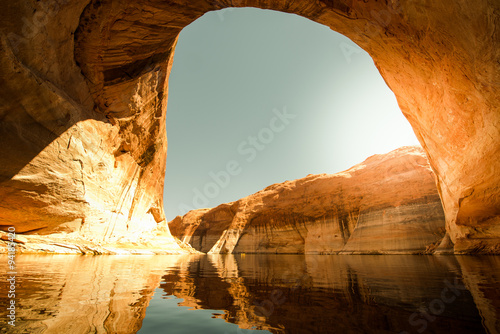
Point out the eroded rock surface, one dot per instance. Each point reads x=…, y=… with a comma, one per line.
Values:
x=66, y=168
x=84, y=91
x=387, y=204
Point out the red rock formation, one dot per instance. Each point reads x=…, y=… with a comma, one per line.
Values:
x=388, y=203
x=84, y=91
x=157, y=241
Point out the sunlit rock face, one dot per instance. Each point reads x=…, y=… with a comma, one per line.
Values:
x=84, y=93
x=386, y=204
x=65, y=166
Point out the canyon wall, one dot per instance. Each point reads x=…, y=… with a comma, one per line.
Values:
x=66, y=169
x=387, y=204
x=84, y=92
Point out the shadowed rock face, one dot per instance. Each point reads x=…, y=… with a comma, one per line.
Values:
x=84, y=91
x=388, y=203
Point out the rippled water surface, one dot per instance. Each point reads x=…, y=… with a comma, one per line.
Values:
x=253, y=294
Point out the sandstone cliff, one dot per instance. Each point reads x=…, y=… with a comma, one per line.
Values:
x=157, y=241
x=387, y=204
x=84, y=92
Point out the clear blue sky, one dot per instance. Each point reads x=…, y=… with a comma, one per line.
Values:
x=258, y=97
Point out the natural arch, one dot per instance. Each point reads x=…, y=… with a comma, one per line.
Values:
x=85, y=97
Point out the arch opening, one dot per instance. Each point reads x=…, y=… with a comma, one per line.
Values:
x=231, y=82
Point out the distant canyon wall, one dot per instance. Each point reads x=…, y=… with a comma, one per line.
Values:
x=84, y=88
x=387, y=204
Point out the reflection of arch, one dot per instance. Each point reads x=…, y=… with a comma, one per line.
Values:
x=436, y=58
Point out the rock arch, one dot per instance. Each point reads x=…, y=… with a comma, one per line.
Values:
x=84, y=95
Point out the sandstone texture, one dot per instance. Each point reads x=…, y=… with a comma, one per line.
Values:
x=156, y=241
x=84, y=93
x=386, y=204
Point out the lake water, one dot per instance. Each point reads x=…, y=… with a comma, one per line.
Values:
x=253, y=294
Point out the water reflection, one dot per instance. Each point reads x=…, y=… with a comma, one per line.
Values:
x=82, y=294
x=272, y=293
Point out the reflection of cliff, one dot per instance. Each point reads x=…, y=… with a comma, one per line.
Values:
x=213, y=282
x=328, y=294
x=387, y=204
x=279, y=293
x=476, y=271
x=76, y=294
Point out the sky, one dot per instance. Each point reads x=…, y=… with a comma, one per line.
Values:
x=258, y=97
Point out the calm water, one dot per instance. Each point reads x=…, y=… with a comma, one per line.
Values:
x=254, y=294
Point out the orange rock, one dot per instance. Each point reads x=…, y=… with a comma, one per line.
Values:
x=387, y=204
